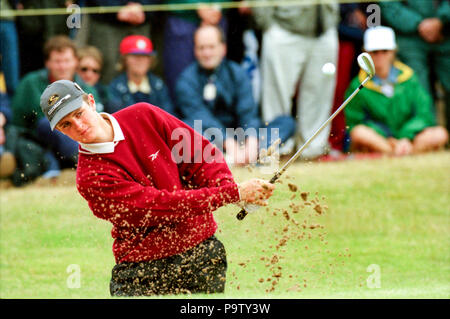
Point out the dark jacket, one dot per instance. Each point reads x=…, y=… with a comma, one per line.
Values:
x=233, y=105
x=121, y=97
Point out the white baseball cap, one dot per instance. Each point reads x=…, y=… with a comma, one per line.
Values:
x=379, y=38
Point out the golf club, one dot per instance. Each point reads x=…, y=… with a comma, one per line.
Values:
x=366, y=64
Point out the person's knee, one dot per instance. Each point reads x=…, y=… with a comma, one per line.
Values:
x=438, y=136
x=359, y=133
x=432, y=137
x=441, y=136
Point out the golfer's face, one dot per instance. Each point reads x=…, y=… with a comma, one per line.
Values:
x=80, y=125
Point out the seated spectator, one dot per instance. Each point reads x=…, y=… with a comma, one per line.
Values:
x=7, y=159
x=218, y=92
x=90, y=69
x=137, y=83
x=61, y=61
x=178, y=48
x=106, y=30
x=21, y=159
x=393, y=114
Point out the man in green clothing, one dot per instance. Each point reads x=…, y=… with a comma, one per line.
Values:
x=423, y=37
x=60, y=64
x=393, y=114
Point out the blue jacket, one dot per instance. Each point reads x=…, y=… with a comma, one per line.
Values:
x=233, y=105
x=121, y=97
x=4, y=107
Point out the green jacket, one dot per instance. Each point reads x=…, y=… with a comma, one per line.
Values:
x=405, y=16
x=26, y=101
x=403, y=115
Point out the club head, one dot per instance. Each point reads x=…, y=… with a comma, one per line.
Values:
x=366, y=63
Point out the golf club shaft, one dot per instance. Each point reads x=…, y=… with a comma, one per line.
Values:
x=241, y=215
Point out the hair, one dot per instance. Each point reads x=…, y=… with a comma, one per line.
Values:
x=58, y=43
x=220, y=32
x=93, y=52
x=86, y=98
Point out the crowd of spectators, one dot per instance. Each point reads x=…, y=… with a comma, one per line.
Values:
x=258, y=68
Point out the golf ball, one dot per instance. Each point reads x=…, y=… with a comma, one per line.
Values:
x=328, y=68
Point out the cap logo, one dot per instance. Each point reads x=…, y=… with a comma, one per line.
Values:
x=52, y=100
x=54, y=107
x=141, y=44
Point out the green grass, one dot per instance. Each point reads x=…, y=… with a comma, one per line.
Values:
x=391, y=212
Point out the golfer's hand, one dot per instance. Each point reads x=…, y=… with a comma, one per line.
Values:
x=256, y=191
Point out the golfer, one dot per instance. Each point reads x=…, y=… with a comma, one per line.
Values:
x=161, y=210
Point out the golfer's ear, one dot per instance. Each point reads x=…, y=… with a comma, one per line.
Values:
x=91, y=100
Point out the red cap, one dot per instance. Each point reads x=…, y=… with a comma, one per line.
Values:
x=136, y=44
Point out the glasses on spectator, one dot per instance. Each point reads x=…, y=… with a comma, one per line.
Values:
x=85, y=69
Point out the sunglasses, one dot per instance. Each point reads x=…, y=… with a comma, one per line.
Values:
x=85, y=69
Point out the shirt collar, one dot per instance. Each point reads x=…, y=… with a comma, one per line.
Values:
x=210, y=73
x=392, y=77
x=106, y=147
x=143, y=87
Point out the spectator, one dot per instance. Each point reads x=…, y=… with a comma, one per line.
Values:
x=105, y=31
x=21, y=159
x=423, y=30
x=90, y=70
x=297, y=42
x=393, y=114
x=60, y=63
x=7, y=159
x=178, y=36
x=218, y=92
x=137, y=83
x=351, y=31
x=9, y=49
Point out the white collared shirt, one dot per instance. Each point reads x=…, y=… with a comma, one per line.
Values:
x=106, y=147
x=143, y=87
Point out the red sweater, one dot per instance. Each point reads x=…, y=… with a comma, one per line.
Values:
x=158, y=208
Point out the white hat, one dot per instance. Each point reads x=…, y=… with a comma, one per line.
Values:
x=379, y=38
